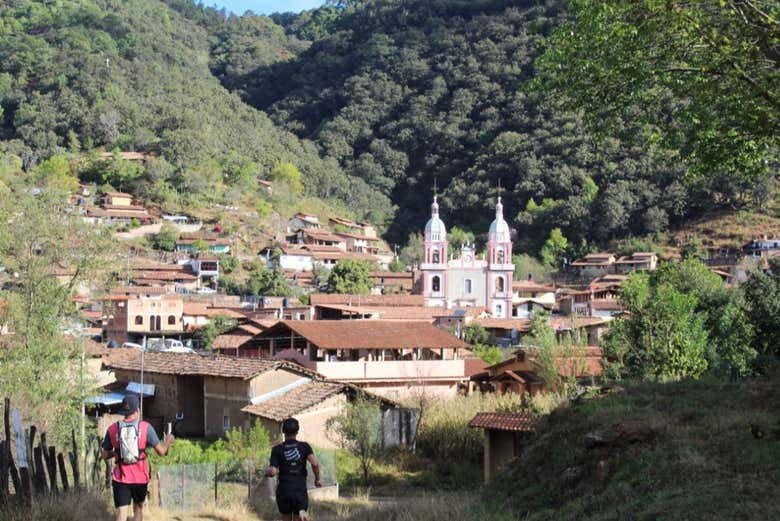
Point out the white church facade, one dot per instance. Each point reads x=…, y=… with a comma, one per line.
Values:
x=466, y=280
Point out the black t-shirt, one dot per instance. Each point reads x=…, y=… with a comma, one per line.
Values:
x=290, y=458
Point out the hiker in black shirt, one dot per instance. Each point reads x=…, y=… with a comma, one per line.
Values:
x=288, y=461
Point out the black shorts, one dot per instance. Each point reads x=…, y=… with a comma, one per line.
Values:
x=292, y=501
x=124, y=493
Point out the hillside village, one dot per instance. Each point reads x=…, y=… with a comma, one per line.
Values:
x=489, y=259
x=406, y=336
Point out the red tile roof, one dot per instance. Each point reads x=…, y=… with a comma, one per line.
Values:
x=296, y=400
x=194, y=364
x=367, y=300
x=367, y=334
x=138, y=290
x=503, y=421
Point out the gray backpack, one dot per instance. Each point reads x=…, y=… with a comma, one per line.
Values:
x=129, y=441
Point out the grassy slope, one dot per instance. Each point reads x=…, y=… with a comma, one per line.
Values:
x=695, y=456
x=730, y=229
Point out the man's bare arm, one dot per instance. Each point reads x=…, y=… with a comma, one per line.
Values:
x=162, y=448
x=271, y=472
x=315, y=467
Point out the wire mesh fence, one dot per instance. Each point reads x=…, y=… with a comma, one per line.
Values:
x=196, y=486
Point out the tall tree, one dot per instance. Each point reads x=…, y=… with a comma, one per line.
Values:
x=52, y=255
x=351, y=277
x=703, y=77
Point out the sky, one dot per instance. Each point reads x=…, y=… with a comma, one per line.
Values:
x=265, y=6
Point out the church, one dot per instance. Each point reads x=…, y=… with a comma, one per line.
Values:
x=468, y=281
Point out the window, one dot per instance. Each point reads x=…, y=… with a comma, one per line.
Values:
x=225, y=422
x=435, y=256
x=139, y=320
x=467, y=286
x=158, y=322
x=436, y=283
x=171, y=320
x=500, y=256
x=500, y=285
x=499, y=310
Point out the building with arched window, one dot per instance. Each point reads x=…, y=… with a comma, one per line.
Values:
x=467, y=280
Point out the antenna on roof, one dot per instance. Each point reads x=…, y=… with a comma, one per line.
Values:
x=435, y=187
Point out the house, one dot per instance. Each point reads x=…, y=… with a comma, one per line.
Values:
x=315, y=402
x=391, y=358
x=146, y=272
x=511, y=331
x=530, y=297
x=303, y=221
x=139, y=312
x=760, y=246
x=213, y=394
x=206, y=268
x=189, y=242
x=506, y=436
x=240, y=341
x=518, y=374
x=117, y=209
x=199, y=314
x=312, y=237
x=594, y=264
x=208, y=391
x=640, y=261
x=293, y=258
x=392, y=282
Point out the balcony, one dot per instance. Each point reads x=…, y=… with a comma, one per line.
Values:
x=395, y=370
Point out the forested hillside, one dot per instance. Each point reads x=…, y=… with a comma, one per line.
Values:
x=375, y=101
x=134, y=75
x=405, y=93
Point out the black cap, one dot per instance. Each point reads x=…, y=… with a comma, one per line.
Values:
x=290, y=426
x=129, y=404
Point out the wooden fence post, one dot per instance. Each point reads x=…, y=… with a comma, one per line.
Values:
x=41, y=488
x=74, y=462
x=6, y=453
x=63, y=471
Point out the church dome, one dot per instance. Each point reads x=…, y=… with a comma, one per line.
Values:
x=435, y=226
x=499, y=229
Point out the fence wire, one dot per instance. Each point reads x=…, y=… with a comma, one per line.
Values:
x=196, y=486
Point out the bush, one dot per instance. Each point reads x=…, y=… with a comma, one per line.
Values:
x=166, y=238
x=444, y=433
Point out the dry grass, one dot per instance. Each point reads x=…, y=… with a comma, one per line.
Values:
x=730, y=229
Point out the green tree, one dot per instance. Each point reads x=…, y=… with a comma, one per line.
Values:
x=357, y=429
x=289, y=175
x=762, y=307
x=474, y=334
x=397, y=265
x=526, y=265
x=458, y=237
x=248, y=444
x=267, y=282
x=166, y=238
x=56, y=174
x=542, y=342
x=412, y=253
x=55, y=254
x=490, y=354
x=554, y=248
x=665, y=336
x=704, y=79
x=215, y=327
x=351, y=277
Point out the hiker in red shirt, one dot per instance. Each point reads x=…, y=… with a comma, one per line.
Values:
x=126, y=441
